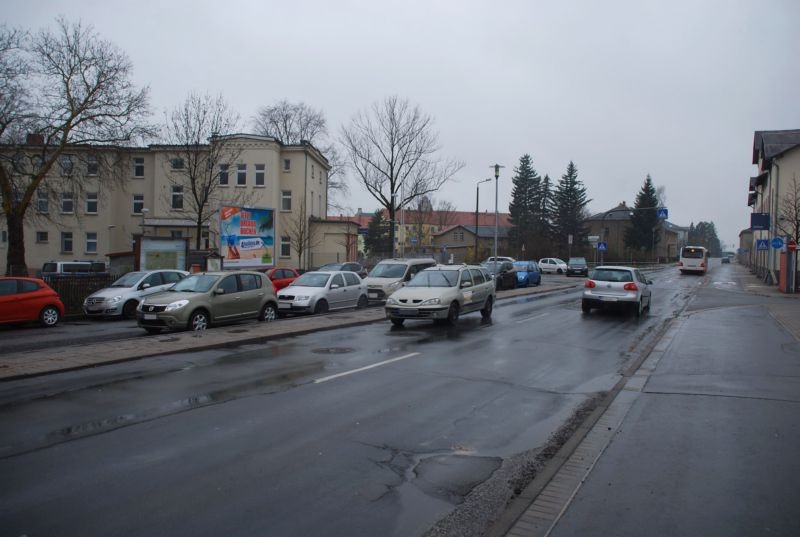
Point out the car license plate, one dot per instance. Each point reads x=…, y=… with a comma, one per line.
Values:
x=284, y=306
x=407, y=313
x=150, y=316
x=372, y=295
x=608, y=299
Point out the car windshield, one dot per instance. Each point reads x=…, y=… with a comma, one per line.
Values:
x=128, y=280
x=332, y=266
x=196, y=283
x=312, y=279
x=435, y=278
x=493, y=267
x=577, y=261
x=612, y=275
x=523, y=265
x=388, y=270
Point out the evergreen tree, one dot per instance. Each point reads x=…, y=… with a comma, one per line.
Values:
x=705, y=234
x=640, y=236
x=569, y=211
x=378, y=241
x=529, y=215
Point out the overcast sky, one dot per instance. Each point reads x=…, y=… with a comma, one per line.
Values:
x=622, y=88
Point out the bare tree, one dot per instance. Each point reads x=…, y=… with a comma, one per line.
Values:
x=60, y=89
x=445, y=214
x=293, y=123
x=392, y=150
x=302, y=233
x=789, y=210
x=199, y=133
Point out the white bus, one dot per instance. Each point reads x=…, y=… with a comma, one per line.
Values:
x=693, y=259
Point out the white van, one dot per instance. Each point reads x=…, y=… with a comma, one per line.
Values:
x=391, y=274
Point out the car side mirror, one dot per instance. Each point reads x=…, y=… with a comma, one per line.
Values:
x=335, y=286
x=649, y=282
x=144, y=286
x=466, y=284
x=219, y=291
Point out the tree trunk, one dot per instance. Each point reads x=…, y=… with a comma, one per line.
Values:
x=198, y=234
x=15, y=258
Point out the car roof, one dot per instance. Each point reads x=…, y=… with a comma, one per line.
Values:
x=614, y=267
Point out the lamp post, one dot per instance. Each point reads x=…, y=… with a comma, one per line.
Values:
x=477, y=194
x=496, y=221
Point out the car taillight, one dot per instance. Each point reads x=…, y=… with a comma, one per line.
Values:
x=680, y=263
x=590, y=284
x=630, y=287
x=702, y=264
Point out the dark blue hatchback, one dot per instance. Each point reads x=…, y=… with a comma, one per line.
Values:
x=528, y=273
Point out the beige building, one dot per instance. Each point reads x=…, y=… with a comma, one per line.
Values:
x=100, y=200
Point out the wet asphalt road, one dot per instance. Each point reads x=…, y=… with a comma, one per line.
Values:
x=268, y=440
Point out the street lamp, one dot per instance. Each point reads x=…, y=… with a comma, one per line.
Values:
x=496, y=178
x=477, y=194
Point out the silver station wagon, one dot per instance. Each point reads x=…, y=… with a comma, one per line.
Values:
x=443, y=293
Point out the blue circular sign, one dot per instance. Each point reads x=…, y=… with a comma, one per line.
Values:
x=777, y=242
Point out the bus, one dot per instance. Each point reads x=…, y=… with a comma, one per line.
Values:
x=693, y=259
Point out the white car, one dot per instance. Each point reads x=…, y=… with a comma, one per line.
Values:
x=552, y=265
x=610, y=286
x=322, y=291
x=124, y=295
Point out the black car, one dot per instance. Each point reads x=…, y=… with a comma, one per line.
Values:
x=504, y=273
x=577, y=266
x=350, y=266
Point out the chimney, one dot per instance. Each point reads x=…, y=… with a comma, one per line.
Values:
x=34, y=139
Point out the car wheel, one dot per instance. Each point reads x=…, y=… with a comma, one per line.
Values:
x=321, y=307
x=560, y=271
x=49, y=316
x=486, y=312
x=452, y=313
x=152, y=330
x=639, y=308
x=129, y=309
x=398, y=322
x=585, y=306
x=268, y=313
x=198, y=321
x=362, y=302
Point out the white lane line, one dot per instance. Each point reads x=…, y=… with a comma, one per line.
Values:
x=360, y=369
x=526, y=319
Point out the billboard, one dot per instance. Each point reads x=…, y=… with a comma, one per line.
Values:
x=759, y=221
x=247, y=237
x=162, y=253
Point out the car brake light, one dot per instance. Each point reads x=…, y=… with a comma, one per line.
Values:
x=680, y=263
x=630, y=287
x=702, y=264
x=590, y=284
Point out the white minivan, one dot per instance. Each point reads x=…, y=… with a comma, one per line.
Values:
x=391, y=274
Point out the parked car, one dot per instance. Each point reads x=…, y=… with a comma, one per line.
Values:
x=320, y=292
x=29, y=299
x=490, y=259
x=577, y=266
x=349, y=266
x=207, y=298
x=617, y=286
x=281, y=277
x=58, y=269
x=124, y=295
x=527, y=273
x=391, y=274
x=443, y=293
x=504, y=274
x=726, y=259
x=552, y=265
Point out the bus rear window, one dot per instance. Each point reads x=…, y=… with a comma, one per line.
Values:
x=692, y=253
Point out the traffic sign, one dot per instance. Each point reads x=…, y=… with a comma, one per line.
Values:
x=777, y=242
x=791, y=245
x=762, y=244
x=414, y=241
x=602, y=246
x=663, y=213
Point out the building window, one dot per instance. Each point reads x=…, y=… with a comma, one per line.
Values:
x=223, y=174
x=67, y=205
x=138, y=203
x=42, y=202
x=177, y=197
x=66, y=242
x=286, y=200
x=3, y=236
x=138, y=167
x=241, y=174
x=92, y=166
x=91, y=242
x=91, y=202
x=321, y=174
x=458, y=236
x=287, y=164
x=176, y=163
x=176, y=234
x=286, y=247
x=41, y=236
x=260, y=174
x=66, y=165
x=313, y=172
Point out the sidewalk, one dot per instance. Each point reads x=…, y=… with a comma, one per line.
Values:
x=701, y=439
x=17, y=365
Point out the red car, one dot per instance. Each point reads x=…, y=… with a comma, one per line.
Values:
x=281, y=277
x=29, y=299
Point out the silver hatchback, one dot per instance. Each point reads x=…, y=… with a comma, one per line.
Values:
x=610, y=286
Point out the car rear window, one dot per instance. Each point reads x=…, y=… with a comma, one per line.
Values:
x=612, y=275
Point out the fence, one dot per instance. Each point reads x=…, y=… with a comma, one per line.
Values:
x=73, y=289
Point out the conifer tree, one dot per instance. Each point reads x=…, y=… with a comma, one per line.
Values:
x=522, y=208
x=569, y=211
x=640, y=235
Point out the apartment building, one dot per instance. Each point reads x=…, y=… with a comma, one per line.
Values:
x=99, y=200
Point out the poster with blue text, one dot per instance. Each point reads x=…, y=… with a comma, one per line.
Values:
x=247, y=237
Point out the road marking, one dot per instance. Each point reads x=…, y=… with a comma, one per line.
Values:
x=526, y=319
x=360, y=369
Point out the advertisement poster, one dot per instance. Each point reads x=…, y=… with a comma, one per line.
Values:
x=162, y=253
x=248, y=237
